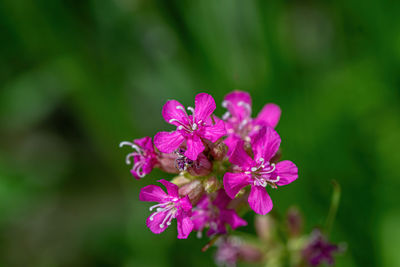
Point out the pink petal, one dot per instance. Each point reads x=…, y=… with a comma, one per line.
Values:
x=185, y=226
x=222, y=200
x=186, y=205
x=240, y=158
x=199, y=219
x=230, y=217
x=269, y=115
x=168, y=142
x=194, y=147
x=239, y=111
x=214, y=132
x=287, y=172
x=234, y=182
x=148, y=166
x=266, y=143
x=259, y=200
x=172, y=189
x=135, y=175
x=152, y=193
x=154, y=225
x=145, y=143
x=204, y=106
x=170, y=111
x=231, y=142
x=203, y=203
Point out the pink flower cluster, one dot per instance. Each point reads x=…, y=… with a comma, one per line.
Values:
x=221, y=163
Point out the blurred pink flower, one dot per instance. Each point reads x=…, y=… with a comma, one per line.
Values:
x=238, y=121
x=215, y=215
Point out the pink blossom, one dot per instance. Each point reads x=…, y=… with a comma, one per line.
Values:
x=171, y=206
x=320, y=250
x=190, y=128
x=238, y=121
x=215, y=215
x=258, y=171
x=144, y=156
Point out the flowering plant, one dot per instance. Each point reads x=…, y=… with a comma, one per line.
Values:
x=225, y=166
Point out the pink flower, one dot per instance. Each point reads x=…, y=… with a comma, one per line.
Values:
x=238, y=121
x=170, y=206
x=259, y=171
x=190, y=128
x=215, y=215
x=320, y=250
x=144, y=156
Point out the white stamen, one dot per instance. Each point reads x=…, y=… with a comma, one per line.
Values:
x=158, y=205
x=174, y=120
x=168, y=218
x=127, y=158
x=226, y=115
x=194, y=126
x=181, y=108
x=253, y=169
x=135, y=147
x=276, y=179
x=199, y=234
x=191, y=109
x=243, y=123
x=138, y=168
x=245, y=105
x=225, y=103
x=125, y=143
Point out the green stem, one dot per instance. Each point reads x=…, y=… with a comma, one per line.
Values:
x=333, y=208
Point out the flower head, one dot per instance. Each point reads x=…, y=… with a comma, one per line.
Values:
x=258, y=171
x=238, y=121
x=199, y=167
x=233, y=249
x=215, y=215
x=228, y=252
x=319, y=250
x=144, y=156
x=171, y=206
x=190, y=128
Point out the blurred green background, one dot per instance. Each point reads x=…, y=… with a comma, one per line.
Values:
x=77, y=77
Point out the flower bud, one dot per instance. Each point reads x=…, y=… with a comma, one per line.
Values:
x=211, y=184
x=167, y=162
x=180, y=180
x=319, y=249
x=200, y=167
x=250, y=253
x=194, y=190
x=264, y=225
x=219, y=150
x=294, y=222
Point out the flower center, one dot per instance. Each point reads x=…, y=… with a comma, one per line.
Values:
x=182, y=163
x=240, y=127
x=191, y=125
x=170, y=208
x=262, y=174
